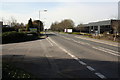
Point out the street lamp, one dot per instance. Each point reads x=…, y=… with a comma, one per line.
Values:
x=39, y=18
x=40, y=11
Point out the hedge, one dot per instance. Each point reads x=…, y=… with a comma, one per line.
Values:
x=11, y=37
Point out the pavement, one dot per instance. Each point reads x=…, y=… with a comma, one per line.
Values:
x=64, y=56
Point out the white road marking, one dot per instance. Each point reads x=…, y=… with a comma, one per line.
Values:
x=49, y=42
x=80, y=42
x=116, y=45
x=109, y=50
x=90, y=68
x=65, y=37
x=98, y=48
x=100, y=75
x=83, y=43
x=81, y=62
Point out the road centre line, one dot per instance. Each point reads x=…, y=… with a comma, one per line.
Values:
x=81, y=62
x=105, y=51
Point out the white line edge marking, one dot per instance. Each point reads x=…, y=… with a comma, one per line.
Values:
x=81, y=62
x=100, y=75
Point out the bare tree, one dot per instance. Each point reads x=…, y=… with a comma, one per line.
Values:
x=80, y=27
x=13, y=21
x=116, y=27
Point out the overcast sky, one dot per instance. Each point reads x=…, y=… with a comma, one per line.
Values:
x=83, y=11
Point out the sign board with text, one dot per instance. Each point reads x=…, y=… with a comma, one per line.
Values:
x=69, y=30
x=33, y=29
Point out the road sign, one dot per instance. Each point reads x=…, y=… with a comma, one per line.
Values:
x=33, y=29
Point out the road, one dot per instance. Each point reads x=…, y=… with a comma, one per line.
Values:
x=65, y=56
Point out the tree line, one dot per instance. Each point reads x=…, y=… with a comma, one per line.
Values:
x=13, y=25
x=66, y=24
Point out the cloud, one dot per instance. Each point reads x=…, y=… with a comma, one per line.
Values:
x=82, y=13
x=59, y=0
x=78, y=12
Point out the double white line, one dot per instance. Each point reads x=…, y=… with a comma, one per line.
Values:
x=107, y=50
x=98, y=48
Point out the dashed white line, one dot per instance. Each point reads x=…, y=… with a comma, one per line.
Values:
x=100, y=75
x=90, y=68
x=81, y=62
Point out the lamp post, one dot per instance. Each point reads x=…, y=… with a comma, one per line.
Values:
x=39, y=18
x=40, y=11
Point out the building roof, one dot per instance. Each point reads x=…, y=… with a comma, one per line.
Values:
x=99, y=23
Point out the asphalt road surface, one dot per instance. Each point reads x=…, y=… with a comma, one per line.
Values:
x=65, y=56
